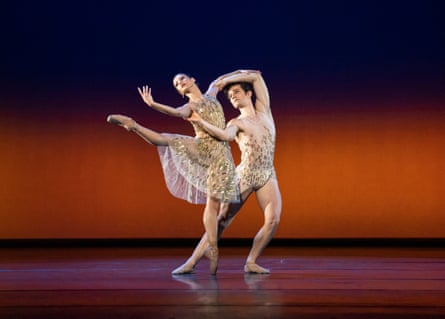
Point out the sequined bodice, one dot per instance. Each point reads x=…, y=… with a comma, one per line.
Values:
x=211, y=111
x=199, y=167
x=258, y=148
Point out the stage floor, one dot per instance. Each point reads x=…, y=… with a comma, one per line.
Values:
x=305, y=282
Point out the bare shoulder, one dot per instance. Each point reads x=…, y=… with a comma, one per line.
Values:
x=235, y=122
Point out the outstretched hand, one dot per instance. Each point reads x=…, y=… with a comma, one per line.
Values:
x=145, y=93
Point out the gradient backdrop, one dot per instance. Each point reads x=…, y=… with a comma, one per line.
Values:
x=357, y=91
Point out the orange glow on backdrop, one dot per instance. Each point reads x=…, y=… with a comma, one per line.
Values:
x=343, y=174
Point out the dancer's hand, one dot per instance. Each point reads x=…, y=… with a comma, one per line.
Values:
x=194, y=118
x=145, y=93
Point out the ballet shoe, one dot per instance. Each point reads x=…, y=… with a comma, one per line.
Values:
x=252, y=268
x=122, y=120
x=212, y=254
x=184, y=269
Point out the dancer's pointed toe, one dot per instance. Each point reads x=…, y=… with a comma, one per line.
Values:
x=184, y=269
x=121, y=120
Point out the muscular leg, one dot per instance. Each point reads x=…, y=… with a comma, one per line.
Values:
x=129, y=124
x=269, y=200
x=226, y=215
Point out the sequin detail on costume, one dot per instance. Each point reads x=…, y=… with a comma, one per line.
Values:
x=195, y=167
x=257, y=159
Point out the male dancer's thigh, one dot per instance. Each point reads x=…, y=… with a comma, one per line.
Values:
x=269, y=198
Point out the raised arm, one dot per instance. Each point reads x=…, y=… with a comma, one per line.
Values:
x=182, y=111
x=227, y=134
x=262, y=103
x=217, y=85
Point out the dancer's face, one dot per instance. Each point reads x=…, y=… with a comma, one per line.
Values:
x=238, y=97
x=183, y=83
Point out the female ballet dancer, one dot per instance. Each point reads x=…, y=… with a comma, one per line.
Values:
x=198, y=169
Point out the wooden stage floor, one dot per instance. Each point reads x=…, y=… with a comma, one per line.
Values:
x=305, y=282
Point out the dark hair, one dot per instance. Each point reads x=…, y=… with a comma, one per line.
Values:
x=187, y=75
x=246, y=86
x=182, y=73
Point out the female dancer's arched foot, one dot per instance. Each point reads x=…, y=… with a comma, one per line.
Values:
x=187, y=268
x=126, y=122
x=212, y=254
x=253, y=268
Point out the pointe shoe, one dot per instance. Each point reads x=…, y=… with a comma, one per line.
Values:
x=126, y=122
x=212, y=254
x=184, y=269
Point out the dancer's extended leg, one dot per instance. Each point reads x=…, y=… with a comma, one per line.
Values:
x=131, y=125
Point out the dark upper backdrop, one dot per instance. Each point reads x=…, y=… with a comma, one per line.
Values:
x=346, y=78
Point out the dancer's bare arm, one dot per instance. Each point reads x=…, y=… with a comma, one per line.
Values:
x=182, y=111
x=227, y=134
x=217, y=85
x=262, y=103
